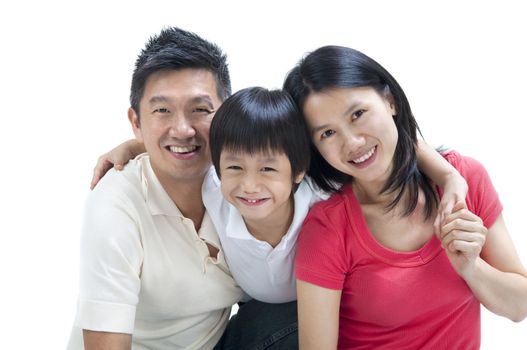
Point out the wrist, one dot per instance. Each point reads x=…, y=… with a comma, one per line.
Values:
x=472, y=272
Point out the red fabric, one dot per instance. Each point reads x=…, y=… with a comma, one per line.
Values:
x=390, y=299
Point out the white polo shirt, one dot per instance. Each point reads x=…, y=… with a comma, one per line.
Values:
x=146, y=271
x=264, y=273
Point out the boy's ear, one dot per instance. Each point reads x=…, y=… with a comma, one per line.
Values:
x=298, y=178
x=136, y=124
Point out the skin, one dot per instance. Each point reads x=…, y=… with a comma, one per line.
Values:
x=175, y=115
x=260, y=187
x=347, y=124
x=433, y=164
x=173, y=123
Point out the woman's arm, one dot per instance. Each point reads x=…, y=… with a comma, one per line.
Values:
x=116, y=158
x=106, y=340
x=318, y=316
x=488, y=261
x=442, y=173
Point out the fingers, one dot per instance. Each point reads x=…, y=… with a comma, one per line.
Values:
x=103, y=165
x=459, y=213
x=446, y=207
x=452, y=239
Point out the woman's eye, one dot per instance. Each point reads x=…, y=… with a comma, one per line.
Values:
x=327, y=134
x=357, y=114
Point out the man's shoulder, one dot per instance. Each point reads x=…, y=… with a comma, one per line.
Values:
x=126, y=183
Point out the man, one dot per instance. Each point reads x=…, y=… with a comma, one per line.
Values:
x=152, y=275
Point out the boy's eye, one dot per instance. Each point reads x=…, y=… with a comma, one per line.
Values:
x=161, y=110
x=327, y=134
x=357, y=114
x=234, y=167
x=268, y=169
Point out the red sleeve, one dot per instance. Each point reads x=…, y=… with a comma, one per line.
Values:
x=482, y=198
x=321, y=256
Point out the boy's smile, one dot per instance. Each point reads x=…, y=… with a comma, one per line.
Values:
x=259, y=186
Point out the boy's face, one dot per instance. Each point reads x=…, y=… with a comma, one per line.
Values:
x=259, y=185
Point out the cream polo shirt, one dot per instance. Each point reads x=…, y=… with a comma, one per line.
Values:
x=144, y=269
x=264, y=273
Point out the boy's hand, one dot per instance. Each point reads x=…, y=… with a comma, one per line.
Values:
x=115, y=158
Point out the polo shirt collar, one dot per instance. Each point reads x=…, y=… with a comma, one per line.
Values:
x=237, y=229
x=157, y=199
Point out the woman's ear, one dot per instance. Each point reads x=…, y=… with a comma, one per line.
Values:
x=388, y=97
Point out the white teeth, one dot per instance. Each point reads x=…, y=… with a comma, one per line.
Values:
x=364, y=157
x=252, y=200
x=178, y=149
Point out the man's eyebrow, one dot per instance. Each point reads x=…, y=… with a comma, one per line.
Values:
x=203, y=99
x=158, y=99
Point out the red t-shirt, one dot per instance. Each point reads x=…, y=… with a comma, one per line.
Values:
x=391, y=299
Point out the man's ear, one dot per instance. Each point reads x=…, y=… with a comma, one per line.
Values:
x=136, y=124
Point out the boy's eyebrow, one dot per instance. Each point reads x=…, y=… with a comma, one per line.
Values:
x=231, y=156
x=235, y=156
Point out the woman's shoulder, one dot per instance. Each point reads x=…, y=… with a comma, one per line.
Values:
x=336, y=202
x=467, y=166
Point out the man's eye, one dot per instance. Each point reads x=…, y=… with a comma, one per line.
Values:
x=202, y=110
x=161, y=110
x=327, y=134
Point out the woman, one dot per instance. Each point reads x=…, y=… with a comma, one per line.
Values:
x=370, y=271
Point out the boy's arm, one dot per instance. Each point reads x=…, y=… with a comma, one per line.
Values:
x=442, y=173
x=116, y=158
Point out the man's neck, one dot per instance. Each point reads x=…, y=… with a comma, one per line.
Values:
x=186, y=194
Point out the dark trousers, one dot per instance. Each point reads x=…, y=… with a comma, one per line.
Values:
x=259, y=326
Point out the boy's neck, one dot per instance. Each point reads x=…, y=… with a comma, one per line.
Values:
x=274, y=227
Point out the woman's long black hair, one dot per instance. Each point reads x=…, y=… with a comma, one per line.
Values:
x=341, y=67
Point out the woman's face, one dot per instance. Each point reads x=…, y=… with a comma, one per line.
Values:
x=354, y=130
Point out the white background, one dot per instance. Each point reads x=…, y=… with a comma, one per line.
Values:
x=64, y=82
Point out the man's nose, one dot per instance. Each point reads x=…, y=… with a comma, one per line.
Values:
x=181, y=128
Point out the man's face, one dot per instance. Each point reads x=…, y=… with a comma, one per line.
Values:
x=175, y=115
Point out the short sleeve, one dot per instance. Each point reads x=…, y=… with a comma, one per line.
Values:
x=482, y=198
x=110, y=267
x=321, y=256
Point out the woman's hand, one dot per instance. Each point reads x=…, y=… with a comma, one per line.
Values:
x=463, y=236
x=116, y=158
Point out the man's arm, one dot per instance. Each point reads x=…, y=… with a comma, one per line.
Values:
x=106, y=341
